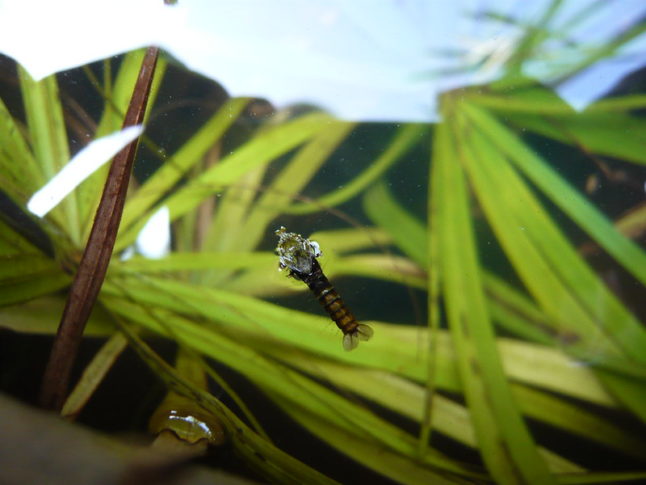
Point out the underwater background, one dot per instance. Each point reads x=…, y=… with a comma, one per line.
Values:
x=497, y=253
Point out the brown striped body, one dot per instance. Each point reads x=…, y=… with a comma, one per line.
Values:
x=298, y=255
x=329, y=298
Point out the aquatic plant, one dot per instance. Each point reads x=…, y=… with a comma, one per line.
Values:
x=544, y=341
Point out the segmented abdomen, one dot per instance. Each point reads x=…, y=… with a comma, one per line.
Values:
x=330, y=299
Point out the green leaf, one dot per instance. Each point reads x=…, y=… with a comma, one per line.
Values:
x=22, y=266
x=178, y=165
x=93, y=375
x=352, y=239
x=403, y=140
x=532, y=38
x=379, y=266
x=629, y=391
x=605, y=133
x=505, y=443
x=566, y=416
x=606, y=50
x=597, y=478
x=257, y=452
x=604, y=127
x=407, y=232
x=193, y=261
x=225, y=232
x=20, y=175
x=13, y=244
x=390, y=349
x=275, y=378
x=48, y=138
x=261, y=150
x=512, y=195
x=42, y=316
x=526, y=99
x=390, y=464
x=289, y=182
x=32, y=286
x=451, y=419
x=620, y=103
x=604, y=332
x=517, y=313
x=116, y=101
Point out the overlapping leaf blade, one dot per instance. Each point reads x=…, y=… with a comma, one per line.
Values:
x=504, y=441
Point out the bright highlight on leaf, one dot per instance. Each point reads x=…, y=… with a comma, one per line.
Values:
x=154, y=239
x=79, y=168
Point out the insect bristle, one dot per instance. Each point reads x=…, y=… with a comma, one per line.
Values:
x=351, y=339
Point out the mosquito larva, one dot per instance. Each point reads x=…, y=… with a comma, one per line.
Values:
x=298, y=255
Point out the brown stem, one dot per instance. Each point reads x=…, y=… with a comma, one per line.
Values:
x=94, y=263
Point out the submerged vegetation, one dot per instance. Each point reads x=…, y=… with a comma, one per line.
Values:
x=537, y=342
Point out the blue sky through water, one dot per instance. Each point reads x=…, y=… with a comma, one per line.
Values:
x=360, y=59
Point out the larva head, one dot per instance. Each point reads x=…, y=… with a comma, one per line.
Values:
x=295, y=252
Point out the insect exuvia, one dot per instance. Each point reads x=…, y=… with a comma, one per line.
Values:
x=298, y=255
